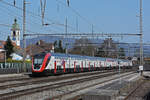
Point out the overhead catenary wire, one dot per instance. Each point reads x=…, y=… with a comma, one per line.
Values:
x=19, y=17
x=16, y=15
x=77, y=13
x=35, y=15
x=9, y=26
x=4, y=34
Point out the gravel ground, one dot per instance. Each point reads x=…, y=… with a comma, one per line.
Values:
x=10, y=75
x=140, y=92
x=37, y=85
x=3, y=77
x=67, y=89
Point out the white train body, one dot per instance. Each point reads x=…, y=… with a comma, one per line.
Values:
x=53, y=63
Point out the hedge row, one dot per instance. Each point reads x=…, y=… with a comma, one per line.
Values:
x=9, y=60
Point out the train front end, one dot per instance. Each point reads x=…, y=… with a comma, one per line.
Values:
x=40, y=63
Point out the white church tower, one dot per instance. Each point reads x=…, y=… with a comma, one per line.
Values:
x=15, y=33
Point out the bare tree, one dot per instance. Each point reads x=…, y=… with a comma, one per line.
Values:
x=107, y=49
x=83, y=46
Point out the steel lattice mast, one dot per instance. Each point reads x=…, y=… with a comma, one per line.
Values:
x=24, y=29
x=141, y=32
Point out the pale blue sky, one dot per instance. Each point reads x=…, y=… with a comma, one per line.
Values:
x=106, y=15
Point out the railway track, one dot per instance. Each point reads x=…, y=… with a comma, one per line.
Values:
x=140, y=90
x=64, y=96
x=17, y=82
x=52, y=85
x=17, y=78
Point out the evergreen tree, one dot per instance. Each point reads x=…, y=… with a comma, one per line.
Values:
x=8, y=47
x=55, y=44
x=55, y=47
x=121, y=53
x=58, y=47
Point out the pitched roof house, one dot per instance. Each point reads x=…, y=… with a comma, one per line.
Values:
x=2, y=52
x=39, y=47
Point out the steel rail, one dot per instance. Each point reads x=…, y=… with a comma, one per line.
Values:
x=19, y=93
x=29, y=81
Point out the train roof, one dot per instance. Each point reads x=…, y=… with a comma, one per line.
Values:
x=76, y=56
x=62, y=55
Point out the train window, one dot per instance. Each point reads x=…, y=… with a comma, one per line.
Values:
x=4, y=65
x=59, y=68
x=48, y=60
x=77, y=66
x=91, y=66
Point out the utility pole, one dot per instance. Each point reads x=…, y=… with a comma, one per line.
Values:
x=92, y=29
x=24, y=30
x=66, y=31
x=118, y=60
x=77, y=25
x=66, y=28
x=141, y=32
x=128, y=50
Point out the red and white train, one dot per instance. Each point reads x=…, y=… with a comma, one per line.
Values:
x=56, y=63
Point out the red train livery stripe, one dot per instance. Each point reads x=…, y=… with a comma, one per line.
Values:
x=82, y=66
x=89, y=65
x=94, y=65
x=74, y=66
x=99, y=64
x=55, y=64
x=104, y=64
x=44, y=63
x=32, y=65
x=64, y=66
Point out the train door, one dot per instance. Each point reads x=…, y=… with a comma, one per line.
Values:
x=72, y=63
x=69, y=66
x=82, y=65
x=78, y=65
x=86, y=65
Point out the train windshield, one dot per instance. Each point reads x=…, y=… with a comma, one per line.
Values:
x=38, y=61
